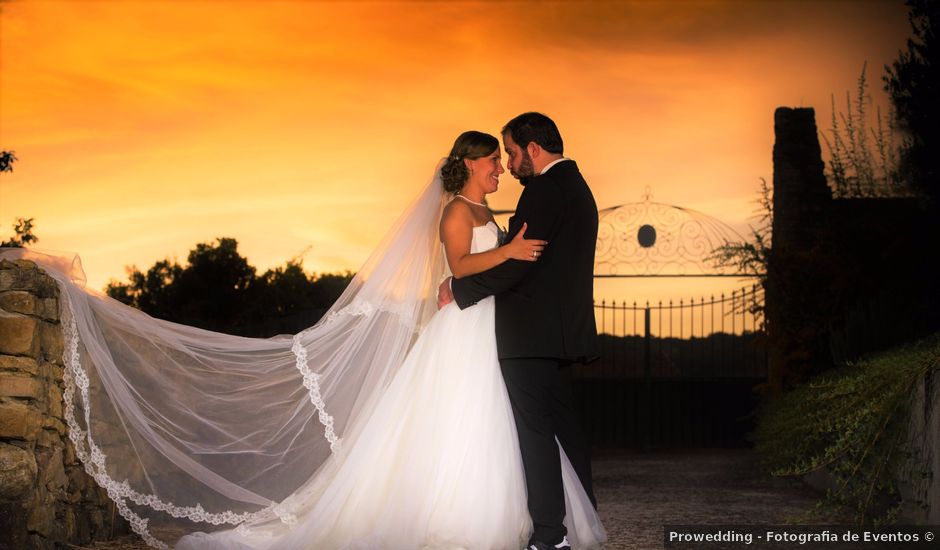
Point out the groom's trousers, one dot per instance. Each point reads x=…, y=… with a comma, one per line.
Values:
x=540, y=394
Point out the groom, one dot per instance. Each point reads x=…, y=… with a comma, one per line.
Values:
x=544, y=315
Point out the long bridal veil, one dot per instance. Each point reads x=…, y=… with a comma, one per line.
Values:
x=180, y=423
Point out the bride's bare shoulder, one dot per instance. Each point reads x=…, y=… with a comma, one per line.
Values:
x=457, y=215
x=457, y=210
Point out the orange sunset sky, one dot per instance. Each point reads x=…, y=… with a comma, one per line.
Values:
x=145, y=127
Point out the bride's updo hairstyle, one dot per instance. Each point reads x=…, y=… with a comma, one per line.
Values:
x=469, y=145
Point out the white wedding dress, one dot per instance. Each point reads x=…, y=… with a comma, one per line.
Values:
x=436, y=464
x=384, y=425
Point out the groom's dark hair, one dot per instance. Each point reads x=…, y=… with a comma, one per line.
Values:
x=529, y=127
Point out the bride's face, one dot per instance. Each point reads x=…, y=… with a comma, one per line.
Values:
x=485, y=171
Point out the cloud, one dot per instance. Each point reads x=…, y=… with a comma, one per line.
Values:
x=672, y=27
x=253, y=114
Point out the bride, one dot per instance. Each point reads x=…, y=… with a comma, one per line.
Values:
x=385, y=425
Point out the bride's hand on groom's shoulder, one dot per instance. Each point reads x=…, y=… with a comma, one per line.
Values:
x=520, y=248
x=444, y=294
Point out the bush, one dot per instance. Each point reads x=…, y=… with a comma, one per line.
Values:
x=852, y=421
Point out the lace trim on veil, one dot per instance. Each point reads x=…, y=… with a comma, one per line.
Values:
x=311, y=380
x=95, y=461
x=312, y=383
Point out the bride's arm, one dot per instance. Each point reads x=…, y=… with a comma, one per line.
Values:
x=457, y=234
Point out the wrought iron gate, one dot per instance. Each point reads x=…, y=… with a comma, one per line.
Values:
x=679, y=374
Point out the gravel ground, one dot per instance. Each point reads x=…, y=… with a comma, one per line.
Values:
x=638, y=493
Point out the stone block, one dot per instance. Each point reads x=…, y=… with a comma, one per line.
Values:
x=70, y=457
x=51, y=371
x=98, y=521
x=19, y=279
x=18, y=334
x=15, y=385
x=54, y=400
x=53, y=477
x=13, y=363
x=41, y=517
x=78, y=478
x=69, y=526
x=7, y=278
x=36, y=542
x=27, y=276
x=19, y=420
x=54, y=424
x=12, y=530
x=48, y=438
x=46, y=286
x=50, y=309
x=19, y=301
x=53, y=341
x=17, y=472
x=58, y=373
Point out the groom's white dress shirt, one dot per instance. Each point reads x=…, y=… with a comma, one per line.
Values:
x=553, y=163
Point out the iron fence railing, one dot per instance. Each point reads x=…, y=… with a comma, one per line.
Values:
x=707, y=337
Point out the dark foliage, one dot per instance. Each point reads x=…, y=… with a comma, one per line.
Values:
x=219, y=290
x=22, y=234
x=23, y=228
x=912, y=83
x=854, y=423
x=863, y=160
x=7, y=158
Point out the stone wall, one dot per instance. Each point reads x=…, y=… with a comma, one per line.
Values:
x=846, y=277
x=920, y=482
x=46, y=498
x=889, y=285
x=917, y=477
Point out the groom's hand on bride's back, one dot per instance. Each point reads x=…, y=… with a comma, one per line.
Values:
x=444, y=295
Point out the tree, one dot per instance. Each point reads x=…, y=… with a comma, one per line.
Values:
x=23, y=227
x=752, y=256
x=912, y=83
x=7, y=158
x=215, y=288
x=151, y=292
x=219, y=290
x=22, y=234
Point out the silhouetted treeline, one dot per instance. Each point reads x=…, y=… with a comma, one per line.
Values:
x=716, y=355
x=219, y=290
x=913, y=83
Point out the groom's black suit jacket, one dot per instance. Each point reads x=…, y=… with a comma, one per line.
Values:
x=545, y=308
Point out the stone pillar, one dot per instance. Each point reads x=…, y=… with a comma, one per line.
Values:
x=46, y=498
x=801, y=196
x=797, y=273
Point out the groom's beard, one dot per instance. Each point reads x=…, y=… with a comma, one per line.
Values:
x=526, y=170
